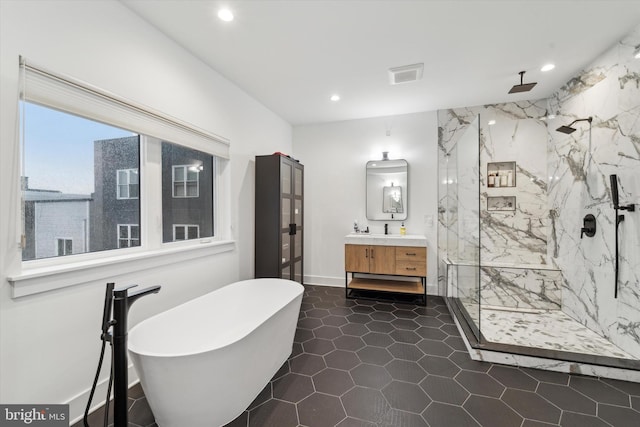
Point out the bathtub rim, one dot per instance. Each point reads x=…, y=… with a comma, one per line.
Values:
x=228, y=344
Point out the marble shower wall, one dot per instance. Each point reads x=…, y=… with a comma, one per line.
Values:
x=519, y=135
x=580, y=164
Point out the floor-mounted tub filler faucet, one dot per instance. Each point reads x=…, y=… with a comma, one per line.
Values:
x=120, y=300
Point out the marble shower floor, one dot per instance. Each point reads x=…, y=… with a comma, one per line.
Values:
x=553, y=330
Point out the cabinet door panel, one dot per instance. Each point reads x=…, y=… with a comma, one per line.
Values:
x=356, y=258
x=286, y=248
x=286, y=212
x=382, y=259
x=285, y=178
x=298, y=181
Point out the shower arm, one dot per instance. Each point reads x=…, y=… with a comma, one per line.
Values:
x=588, y=119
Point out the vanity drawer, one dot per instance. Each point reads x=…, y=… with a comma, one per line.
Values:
x=411, y=268
x=411, y=253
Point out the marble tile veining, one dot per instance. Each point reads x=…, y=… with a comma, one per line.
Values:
x=553, y=330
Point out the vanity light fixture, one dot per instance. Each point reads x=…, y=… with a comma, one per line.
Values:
x=547, y=67
x=225, y=14
x=335, y=97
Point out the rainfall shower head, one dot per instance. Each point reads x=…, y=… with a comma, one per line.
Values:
x=522, y=87
x=568, y=129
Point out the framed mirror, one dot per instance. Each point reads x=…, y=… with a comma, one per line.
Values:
x=387, y=190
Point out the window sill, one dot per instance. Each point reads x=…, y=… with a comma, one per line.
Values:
x=42, y=279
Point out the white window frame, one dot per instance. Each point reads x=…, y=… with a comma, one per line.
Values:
x=56, y=91
x=65, y=240
x=129, y=239
x=185, y=183
x=186, y=231
x=128, y=185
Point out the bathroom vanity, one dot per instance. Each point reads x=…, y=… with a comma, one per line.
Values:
x=385, y=263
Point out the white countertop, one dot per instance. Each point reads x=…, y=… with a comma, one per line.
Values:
x=385, y=239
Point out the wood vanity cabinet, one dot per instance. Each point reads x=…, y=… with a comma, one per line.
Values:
x=370, y=259
x=362, y=261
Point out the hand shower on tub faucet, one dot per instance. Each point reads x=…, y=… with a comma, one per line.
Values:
x=117, y=302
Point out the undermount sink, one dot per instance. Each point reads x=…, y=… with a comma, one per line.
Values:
x=385, y=239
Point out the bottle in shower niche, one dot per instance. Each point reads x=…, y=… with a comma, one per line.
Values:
x=503, y=180
x=496, y=179
x=510, y=179
x=491, y=180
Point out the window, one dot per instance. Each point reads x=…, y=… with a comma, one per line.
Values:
x=127, y=182
x=185, y=180
x=185, y=232
x=84, y=177
x=128, y=235
x=187, y=192
x=65, y=246
x=80, y=201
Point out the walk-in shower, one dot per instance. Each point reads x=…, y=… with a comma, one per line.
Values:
x=509, y=249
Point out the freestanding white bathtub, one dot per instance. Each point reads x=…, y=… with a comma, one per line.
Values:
x=203, y=362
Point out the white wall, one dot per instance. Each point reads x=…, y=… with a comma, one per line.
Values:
x=49, y=342
x=334, y=156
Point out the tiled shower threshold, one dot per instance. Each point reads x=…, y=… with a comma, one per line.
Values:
x=541, y=358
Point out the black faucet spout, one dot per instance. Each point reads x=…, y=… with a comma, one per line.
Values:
x=135, y=295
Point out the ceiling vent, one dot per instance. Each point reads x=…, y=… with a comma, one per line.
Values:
x=405, y=74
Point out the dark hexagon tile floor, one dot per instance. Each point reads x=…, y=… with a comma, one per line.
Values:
x=362, y=363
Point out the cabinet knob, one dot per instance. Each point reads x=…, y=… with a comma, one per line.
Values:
x=410, y=253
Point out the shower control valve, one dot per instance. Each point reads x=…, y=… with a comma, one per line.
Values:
x=588, y=226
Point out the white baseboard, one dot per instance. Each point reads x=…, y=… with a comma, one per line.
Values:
x=78, y=403
x=336, y=282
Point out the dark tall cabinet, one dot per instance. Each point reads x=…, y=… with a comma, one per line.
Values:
x=279, y=217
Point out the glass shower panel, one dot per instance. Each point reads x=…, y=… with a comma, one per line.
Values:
x=464, y=230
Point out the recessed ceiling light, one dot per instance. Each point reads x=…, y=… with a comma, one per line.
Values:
x=335, y=98
x=491, y=122
x=548, y=67
x=225, y=14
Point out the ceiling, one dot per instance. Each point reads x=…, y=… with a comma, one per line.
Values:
x=293, y=55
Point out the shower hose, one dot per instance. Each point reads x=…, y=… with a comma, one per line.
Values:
x=95, y=383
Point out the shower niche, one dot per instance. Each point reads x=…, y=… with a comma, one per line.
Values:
x=501, y=174
x=506, y=203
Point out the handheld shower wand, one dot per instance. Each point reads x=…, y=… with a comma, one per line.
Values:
x=613, y=179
